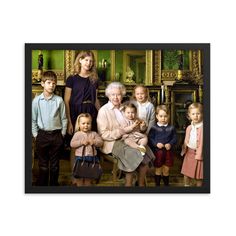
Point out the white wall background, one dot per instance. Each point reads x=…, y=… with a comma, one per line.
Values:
x=106, y=21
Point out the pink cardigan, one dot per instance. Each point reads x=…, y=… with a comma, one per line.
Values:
x=109, y=128
x=198, y=155
x=79, y=137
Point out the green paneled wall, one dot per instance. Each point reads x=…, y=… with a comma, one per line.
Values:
x=52, y=59
x=186, y=60
x=119, y=63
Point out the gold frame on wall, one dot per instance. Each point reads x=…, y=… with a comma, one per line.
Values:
x=154, y=75
x=70, y=57
x=60, y=76
x=171, y=75
x=148, y=62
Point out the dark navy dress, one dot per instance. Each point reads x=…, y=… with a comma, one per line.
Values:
x=83, y=98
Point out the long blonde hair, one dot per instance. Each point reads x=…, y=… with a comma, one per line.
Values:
x=87, y=115
x=93, y=76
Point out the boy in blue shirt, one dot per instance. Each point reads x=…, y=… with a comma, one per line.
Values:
x=49, y=124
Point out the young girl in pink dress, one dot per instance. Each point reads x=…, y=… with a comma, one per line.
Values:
x=84, y=141
x=193, y=144
x=137, y=137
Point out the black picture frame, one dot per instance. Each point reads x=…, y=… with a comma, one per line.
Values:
x=29, y=188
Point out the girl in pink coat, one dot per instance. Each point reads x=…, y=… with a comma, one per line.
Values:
x=192, y=167
x=84, y=141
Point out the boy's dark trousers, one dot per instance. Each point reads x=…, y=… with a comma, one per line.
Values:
x=48, y=148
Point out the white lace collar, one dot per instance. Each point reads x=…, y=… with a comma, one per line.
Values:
x=197, y=125
x=161, y=124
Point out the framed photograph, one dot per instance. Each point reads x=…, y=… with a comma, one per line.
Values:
x=79, y=136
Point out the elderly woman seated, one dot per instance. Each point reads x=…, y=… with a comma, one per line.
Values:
x=112, y=126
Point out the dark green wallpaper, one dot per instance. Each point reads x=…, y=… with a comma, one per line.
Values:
x=170, y=59
x=52, y=59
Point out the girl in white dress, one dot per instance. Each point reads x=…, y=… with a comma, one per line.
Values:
x=146, y=110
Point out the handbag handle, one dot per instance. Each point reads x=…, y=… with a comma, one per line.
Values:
x=83, y=150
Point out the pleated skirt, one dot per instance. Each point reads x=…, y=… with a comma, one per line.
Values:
x=191, y=167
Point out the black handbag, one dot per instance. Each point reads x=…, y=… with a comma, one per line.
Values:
x=87, y=169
